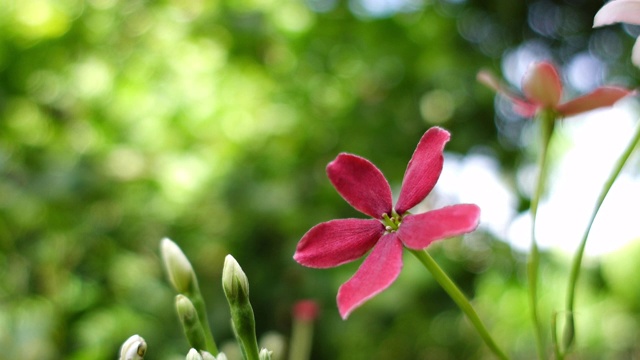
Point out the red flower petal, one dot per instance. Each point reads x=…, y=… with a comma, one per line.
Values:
x=419, y=231
x=521, y=106
x=524, y=108
x=487, y=78
x=336, y=242
x=361, y=184
x=423, y=170
x=542, y=85
x=379, y=270
x=601, y=97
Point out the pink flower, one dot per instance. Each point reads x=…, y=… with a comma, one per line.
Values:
x=362, y=185
x=542, y=90
x=626, y=11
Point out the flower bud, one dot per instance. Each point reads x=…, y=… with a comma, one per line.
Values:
x=265, y=354
x=306, y=310
x=190, y=323
x=203, y=355
x=179, y=269
x=236, y=289
x=221, y=356
x=304, y=313
x=133, y=349
x=194, y=355
x=234, y=281
x=275, y=342
x=207, y=356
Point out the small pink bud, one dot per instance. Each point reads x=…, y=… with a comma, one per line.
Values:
x=306, y=310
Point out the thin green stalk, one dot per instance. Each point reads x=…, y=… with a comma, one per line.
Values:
x=547, y=121
x=190, y=323
x=196, y=298
x=569, y=333
x=554, y=337
x=301, y=339
x=459, y=298
x=532, y=272
x=184, y=281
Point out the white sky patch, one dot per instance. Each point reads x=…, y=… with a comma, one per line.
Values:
x=595, y=141
x=476, y=179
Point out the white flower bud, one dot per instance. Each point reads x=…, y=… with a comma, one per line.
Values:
x=221, y=356
x=193, y=355
x=179, y=269
x=234, y=281
x=207, y=356
x=265, y=354
x=133, y=349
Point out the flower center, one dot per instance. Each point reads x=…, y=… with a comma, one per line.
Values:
x=391, y=223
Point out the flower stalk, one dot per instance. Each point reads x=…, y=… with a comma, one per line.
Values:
x=569, y=330
x=547, y=121
x=190, y=322
x=459, y=298
x=236, y=289
x=183, y=279
x=304, y=315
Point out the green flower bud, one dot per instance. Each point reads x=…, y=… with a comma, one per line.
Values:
x=194, y=355
x=179, y=269
x=234, y=282
x=236, y=289
x=190, y=323
x=133, y=349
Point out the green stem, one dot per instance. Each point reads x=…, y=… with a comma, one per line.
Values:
x=244, y=325
x=198, y=303
x=569, y=333
x=301, y=339
x=554, y=337
x=459, y=298
x=190, y=323
x=547, y=122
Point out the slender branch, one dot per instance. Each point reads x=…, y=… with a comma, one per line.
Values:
x=547, y=121
x=198, y=302
x=458, y=297
x=569, y=333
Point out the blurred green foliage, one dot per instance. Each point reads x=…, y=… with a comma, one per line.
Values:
x=211, y=122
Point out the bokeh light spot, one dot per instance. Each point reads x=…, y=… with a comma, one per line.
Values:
x=437, y=106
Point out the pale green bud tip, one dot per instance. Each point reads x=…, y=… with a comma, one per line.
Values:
x=185, y=308
x=203, y=355
x=265, y=354
x=193, y=355
x=178, y=267
x=234, y=280
x=133, y=349
x=221, y=356
x=274, y=341
x=207, y=356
